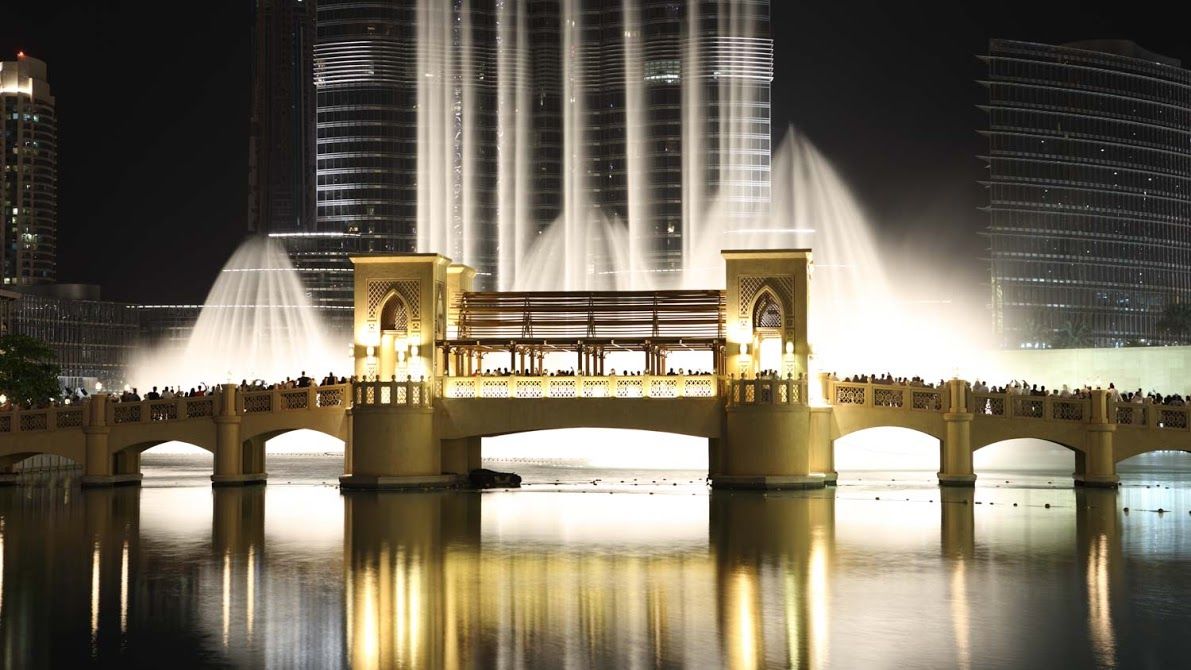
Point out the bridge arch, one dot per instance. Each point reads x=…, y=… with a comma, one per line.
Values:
x=264, y=436
x=10, y=460
x=1066, y=443
x=893, y=440
x=142, y=447
x=1128, y=446
x=564, y=442
x=1051, y=454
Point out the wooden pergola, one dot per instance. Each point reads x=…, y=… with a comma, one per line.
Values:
x=528, y=325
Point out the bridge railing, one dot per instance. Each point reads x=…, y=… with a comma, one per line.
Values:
x=894, y=396
x=644, y=386
x=174, y=409
x=412, y=393
x=36, y=420
x=767, y=391
x=1150, y=415
x=284, y=400
x=1047, y=408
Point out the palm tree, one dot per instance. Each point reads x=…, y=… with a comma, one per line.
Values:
x=1073, y=334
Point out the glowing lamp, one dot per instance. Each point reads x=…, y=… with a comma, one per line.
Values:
x=98, y=386
x=744, y=349
x=3, y=399
x=790, y=347
x=370, y=351
x=413, y=350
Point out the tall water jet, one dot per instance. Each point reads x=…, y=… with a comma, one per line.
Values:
x=865, y=317
x=591, y=261
x=256, y=323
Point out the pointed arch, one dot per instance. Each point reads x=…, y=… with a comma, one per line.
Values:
x=395, y=314
x=767, y=310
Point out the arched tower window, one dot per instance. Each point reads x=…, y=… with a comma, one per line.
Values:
x=767, y=312
x=394, y=315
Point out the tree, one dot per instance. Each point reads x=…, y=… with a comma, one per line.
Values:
x=1176, y=321
x=28, y=372
x=1075, y=333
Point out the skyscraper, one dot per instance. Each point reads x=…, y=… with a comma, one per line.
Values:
x=471, y=127
x=282, y=132
x=1089, y=192
x=29, y=164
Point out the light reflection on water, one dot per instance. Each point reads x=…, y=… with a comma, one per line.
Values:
x=599, y=570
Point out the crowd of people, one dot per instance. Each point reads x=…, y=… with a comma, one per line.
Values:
x=1021, y=387
x=887, y=379
x=1024, y=388
x=1017, y=387
x=570, y=372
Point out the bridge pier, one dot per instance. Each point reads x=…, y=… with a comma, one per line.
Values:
x=766, y=446
x=100, y=466
x=955, y=452
x=395, y=447
x=1096, y=465
x=461, y=456
x=822, y=452
x=237, y=462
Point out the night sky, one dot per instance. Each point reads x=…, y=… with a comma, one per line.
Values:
x=153, y=105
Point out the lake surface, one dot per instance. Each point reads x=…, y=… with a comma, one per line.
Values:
x=599, y=568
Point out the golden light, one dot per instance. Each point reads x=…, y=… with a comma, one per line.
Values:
x=789, y=346
x=744, y=349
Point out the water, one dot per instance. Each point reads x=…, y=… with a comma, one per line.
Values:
x=256, y=323
x=590, y=572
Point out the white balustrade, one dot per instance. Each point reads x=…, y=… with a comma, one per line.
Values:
x=530, y=387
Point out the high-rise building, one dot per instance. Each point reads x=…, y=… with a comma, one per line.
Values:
x=29, y=169
x=469, y=127
x=1089, y=189
x=282, y=131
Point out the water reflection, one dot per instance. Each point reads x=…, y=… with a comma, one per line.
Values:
x=818, y=579
x=1100, y=551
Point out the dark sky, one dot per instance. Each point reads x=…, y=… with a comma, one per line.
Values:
x=153, y=107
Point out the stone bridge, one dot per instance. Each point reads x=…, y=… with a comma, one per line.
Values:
x=107, y=437
x=1099, y=430
x=761, y=432
x=416, y=318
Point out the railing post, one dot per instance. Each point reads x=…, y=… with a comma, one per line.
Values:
x=311, y=396
x=868, y=395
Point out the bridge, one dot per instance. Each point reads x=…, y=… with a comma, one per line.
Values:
x=424, y=341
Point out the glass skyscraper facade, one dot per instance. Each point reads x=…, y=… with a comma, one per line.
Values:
x=1089, y=185
x=28, y=174
x=440, y=122
x=281, y=138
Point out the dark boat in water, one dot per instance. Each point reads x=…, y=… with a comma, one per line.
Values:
x=483, y=478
